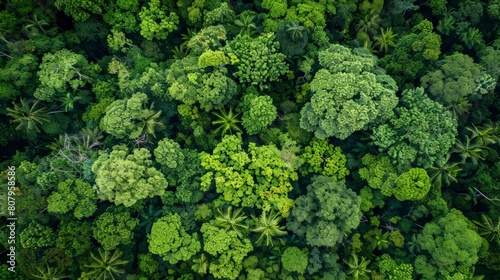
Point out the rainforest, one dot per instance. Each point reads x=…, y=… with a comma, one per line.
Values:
x=250, y=140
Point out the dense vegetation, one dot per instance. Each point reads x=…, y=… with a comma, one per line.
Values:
x=274, y=139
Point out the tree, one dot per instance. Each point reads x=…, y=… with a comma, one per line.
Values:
x=130, y=117
x=256, y=177
x=105, y=265
x=227, y=250
x=413, y=134
x=323, y=158
x=169, y=240
x=444, y=172
x=227, y=121
x=73, y=195
x=412, y=54
x=155, y=23
x=210, y=86
x=326, y=213
x=73, y=237
x=125, y=178
x=488, y=229
x=62, y=71
x=451, y=241
x=347, y=94
x=28, y=117
x=258, y=112
x=234, y=221
x=294, y=259
x=385, y=40
x=258, y=59
x=413, y=184
x=267, y=226
x=379, y=172
x=114, y=227
x=81, y=10
x=456, y=77
x=358, y=267
x=292, y=37
x=37, y=235
x=169, y=153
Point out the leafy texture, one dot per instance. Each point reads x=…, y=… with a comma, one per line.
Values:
x=347, y=95
x=326, y=213
x=125, y=178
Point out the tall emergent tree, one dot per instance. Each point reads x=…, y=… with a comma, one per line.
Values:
x=125, y=178
x=350, y=93
x=326, y=213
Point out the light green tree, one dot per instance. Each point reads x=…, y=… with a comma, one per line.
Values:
x=125, y=178
x=413, y=184
x=155, y=22
x=347, y=94
x=258, y=112
x=169, y=240
x=295, y=259
x=77, y=196
x=114, y=227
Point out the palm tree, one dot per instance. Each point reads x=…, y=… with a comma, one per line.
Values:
x=105, y=265
x=228, y=122
x=485, y=135
x=200, y=265
x=151, y=123
x=459, y=107
x=358, y=268
x=36, y=23
x=413, y=244
x=48, y=273
x=246, y=22
x=488, y=229
x=180, y=52
x=149, y=217
x=268, y=227
x=472, y=37
x=444, y=172
x=68, y=102
x=294, y=30
x=27, y=115
x=386, y=39
x=368, y=24
x=379, y=240
x=233, y=221
x=468, y=150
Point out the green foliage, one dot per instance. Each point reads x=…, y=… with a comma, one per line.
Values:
x=451, y=241
x=258, y=59
x=62, y=71
x=347, y=95
x=257, y=177
x=114, y=227
x=413, y=134
x=227, y=249
x=130, y=117
x=292, y=37
x=323, y=158
x=379, y=173
x=169, y=153
x=234, y=221
x=267, y=226
x=258, y=112
x=74, y=237
x=456, y=77
x=81, y=10
x=412, y=53
x=189, y=83
x=155, y=23
x=37, y=235
x=105, y=265
x=488, y=229
x=294, y=259
x=227, y=121
x=326, y=213
x=76, y=195
x=125, y=178
x=28, y=116
x=413, y=184
x=169, y=240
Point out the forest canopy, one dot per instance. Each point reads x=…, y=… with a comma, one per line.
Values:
x=250, y=140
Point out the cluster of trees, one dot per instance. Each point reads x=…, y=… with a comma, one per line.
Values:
x=275, y=139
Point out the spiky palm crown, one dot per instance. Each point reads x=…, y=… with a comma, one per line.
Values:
x=28, y=117
x=48, y=273
x=227, y=121
x=232, y=220
x=268, y=227
x=105, y=265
